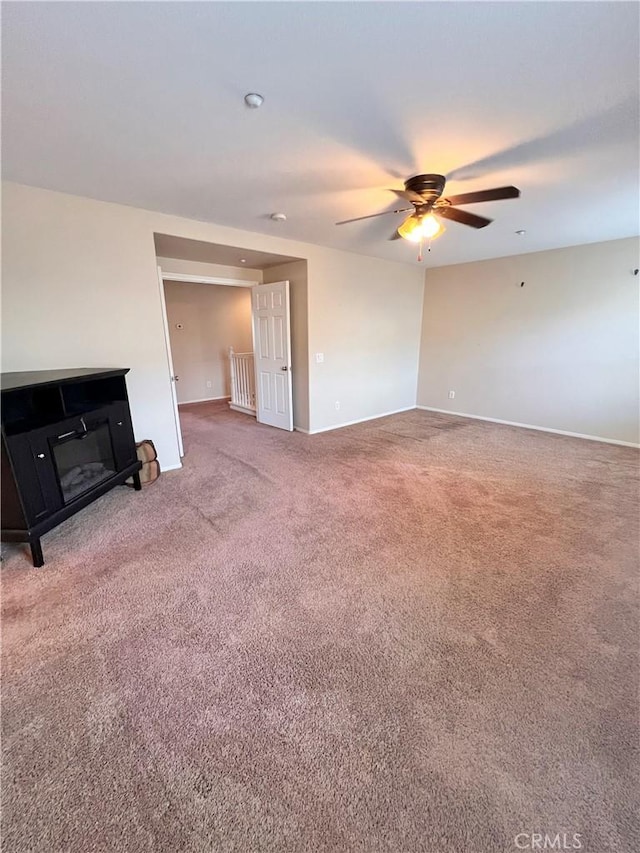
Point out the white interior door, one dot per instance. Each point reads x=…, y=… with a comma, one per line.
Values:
x=174, y=378
x=272, y=354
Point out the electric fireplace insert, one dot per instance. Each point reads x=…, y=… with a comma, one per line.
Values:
x=66, y=440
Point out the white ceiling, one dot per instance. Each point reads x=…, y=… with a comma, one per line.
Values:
x=142, y=103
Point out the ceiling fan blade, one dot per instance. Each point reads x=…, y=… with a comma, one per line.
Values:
x=372, y=215
x=463, y=217
x=484, y=195
x=409, y=195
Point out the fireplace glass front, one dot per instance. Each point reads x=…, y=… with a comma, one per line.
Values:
x=84, y=460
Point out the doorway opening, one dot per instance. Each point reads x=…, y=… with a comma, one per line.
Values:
x=235, y=330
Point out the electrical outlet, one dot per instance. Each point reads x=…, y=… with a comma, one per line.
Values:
x=208, y=383
x=337, y=405
x=319, y=357
x=452, y=395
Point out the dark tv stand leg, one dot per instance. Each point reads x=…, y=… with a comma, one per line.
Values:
x=137, y=485
x=36, y=553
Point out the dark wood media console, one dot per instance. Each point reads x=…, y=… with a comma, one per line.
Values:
x=66, y=440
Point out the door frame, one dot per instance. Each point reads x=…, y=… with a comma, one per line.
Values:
x=187, y=279
x=205, y=279
x=172, y=378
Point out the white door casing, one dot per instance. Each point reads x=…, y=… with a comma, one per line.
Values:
x=173, y=377
x=272, y=354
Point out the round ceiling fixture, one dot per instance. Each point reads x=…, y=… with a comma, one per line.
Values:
x=279, y=217
x=521, y=232
x=253, y=100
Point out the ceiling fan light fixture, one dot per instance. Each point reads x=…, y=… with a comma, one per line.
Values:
x=411, y=230
x=430, y=226
x=416, y=228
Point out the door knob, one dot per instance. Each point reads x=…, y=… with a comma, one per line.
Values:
x=284, y=367
x=40, y=455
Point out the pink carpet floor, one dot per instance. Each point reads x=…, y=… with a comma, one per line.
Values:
x=416, y=634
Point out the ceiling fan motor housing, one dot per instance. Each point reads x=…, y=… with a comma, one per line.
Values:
x=430, y=187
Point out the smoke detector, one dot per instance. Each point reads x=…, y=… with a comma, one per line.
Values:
x=279, y=217
x=253, y=100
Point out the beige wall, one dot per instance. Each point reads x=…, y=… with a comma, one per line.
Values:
x=364, y=316
x=80, y=289
x=296, y=274
x=213, y=318
x=560, y=353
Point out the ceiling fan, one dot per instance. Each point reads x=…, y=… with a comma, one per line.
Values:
x=425, y=194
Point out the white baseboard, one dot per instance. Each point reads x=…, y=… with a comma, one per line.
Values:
x=245, y=411
x=531, y=426
x=358, y=421
x=204, y=400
